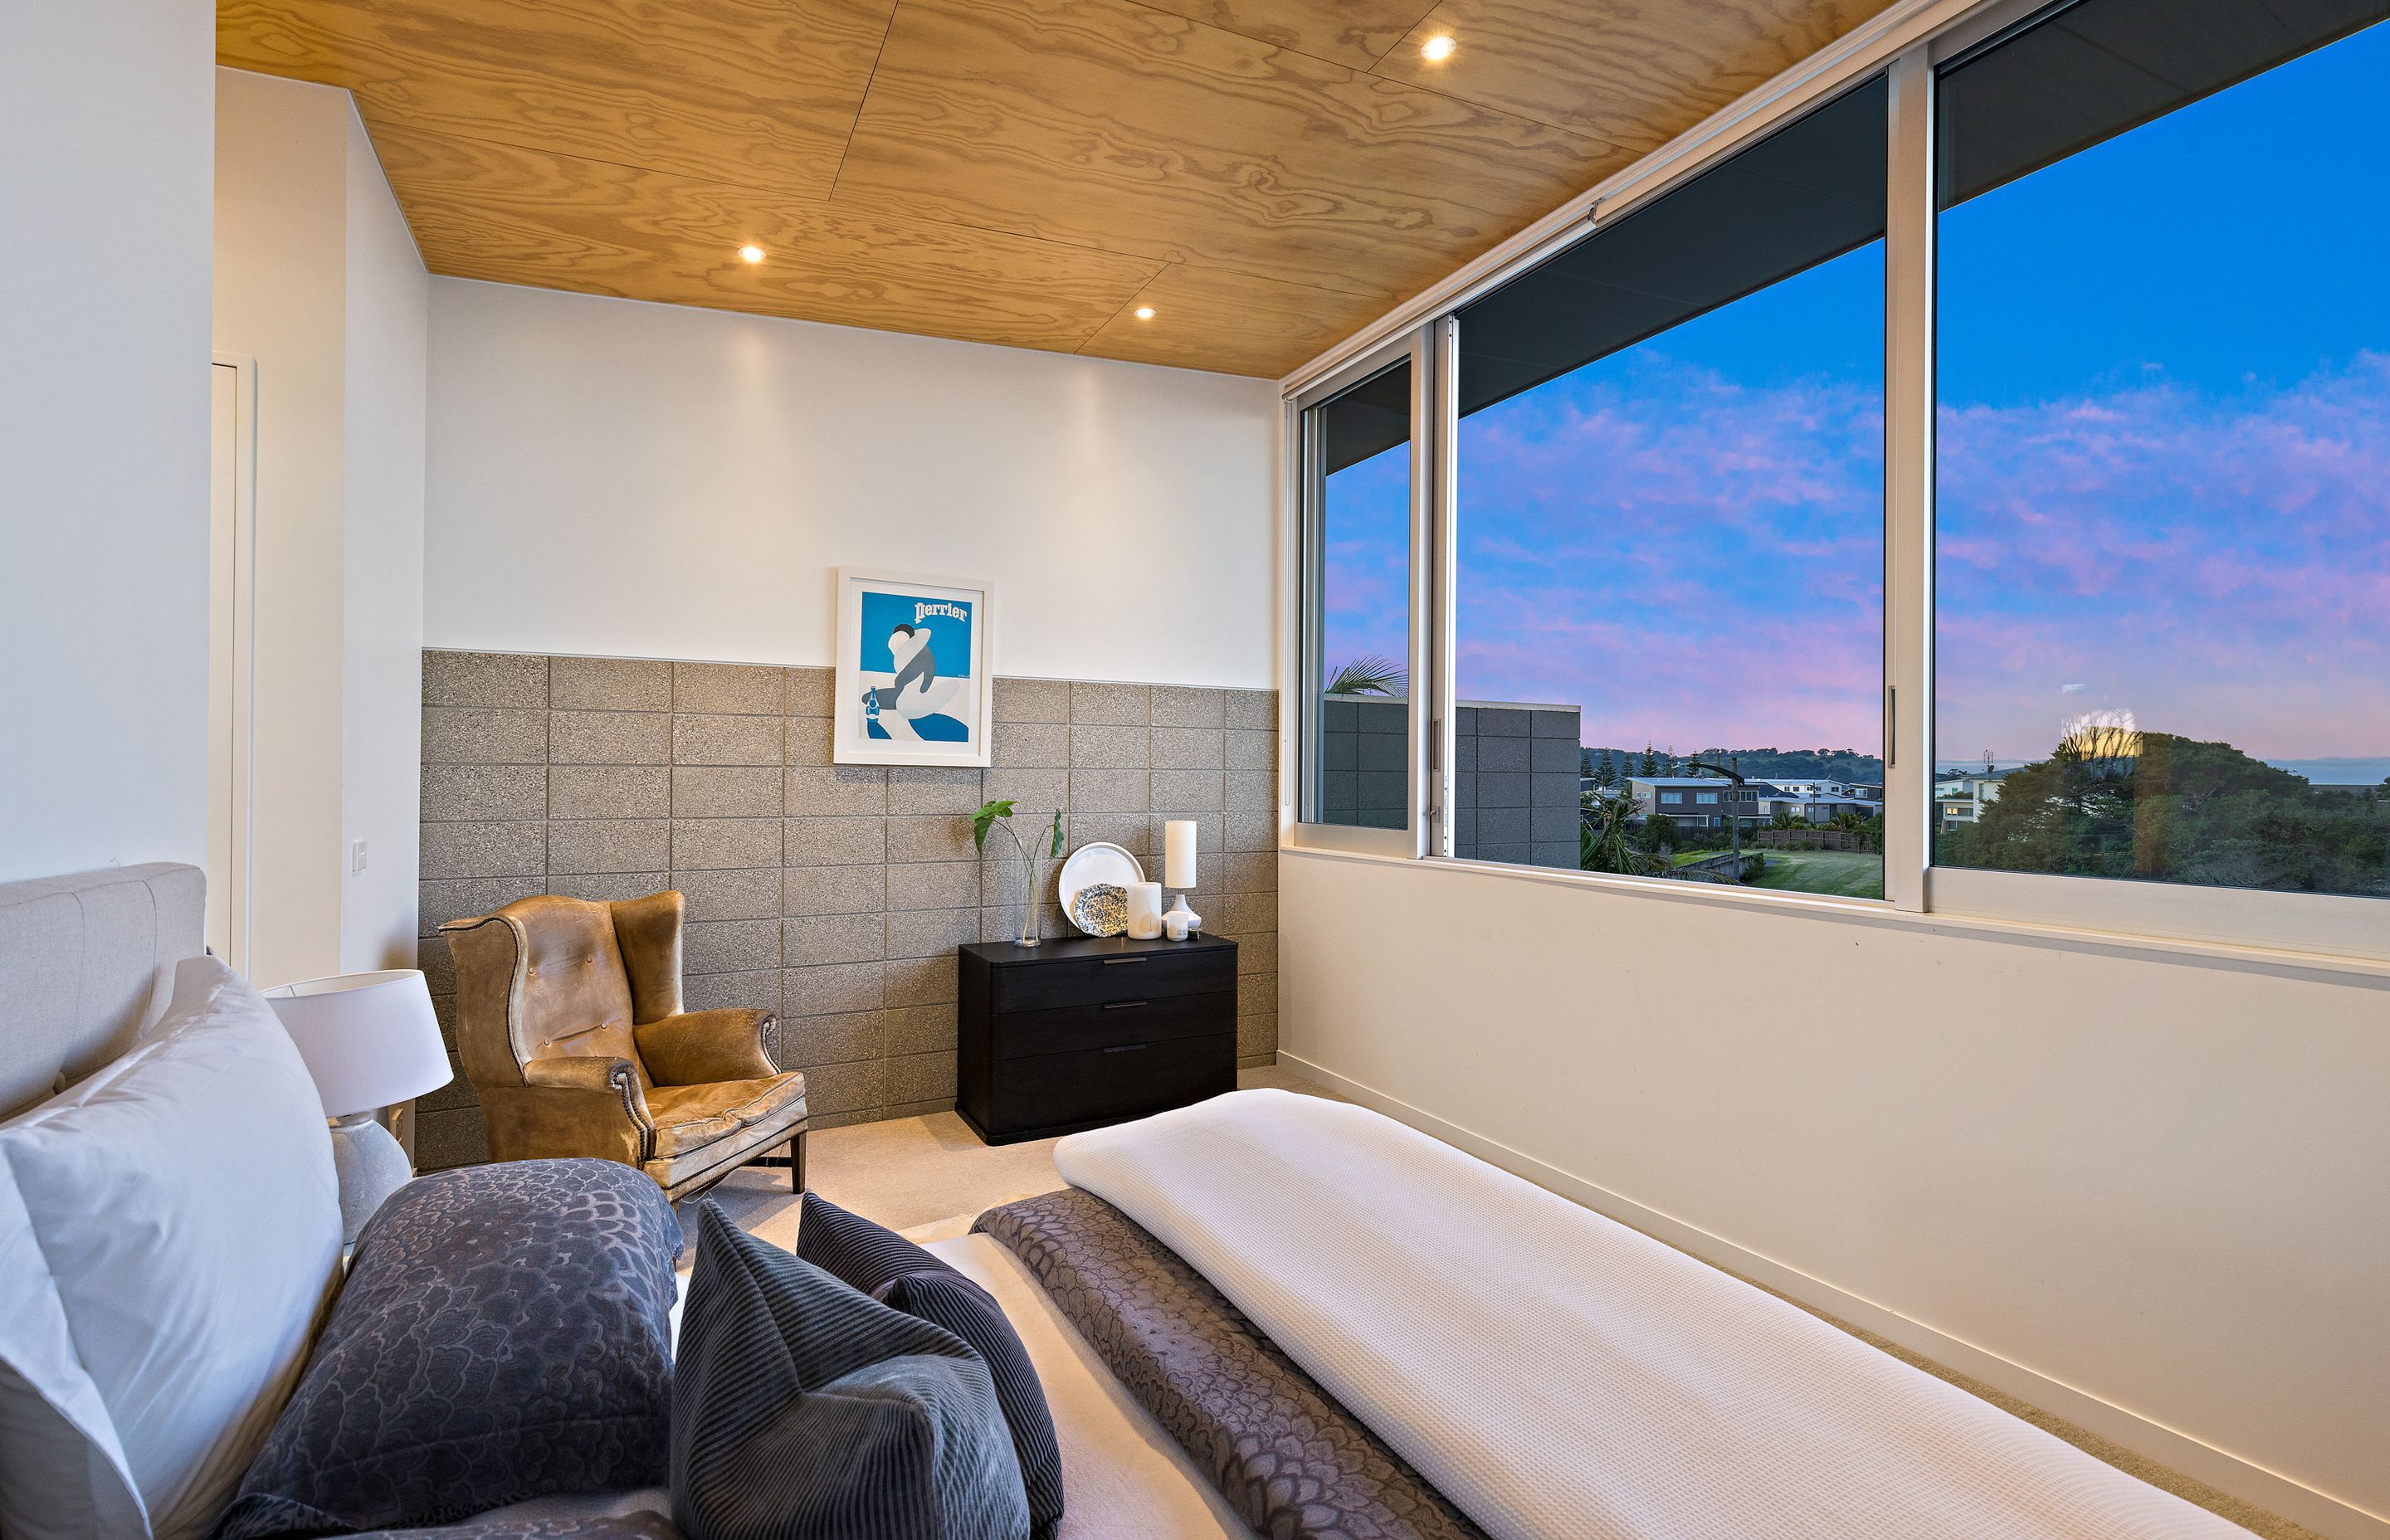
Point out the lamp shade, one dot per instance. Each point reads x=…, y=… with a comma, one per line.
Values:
x=369, y=1039
x=1178, y=852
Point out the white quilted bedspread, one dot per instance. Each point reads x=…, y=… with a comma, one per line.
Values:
x=1560, y=1376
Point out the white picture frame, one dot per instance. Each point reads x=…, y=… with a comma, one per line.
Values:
x=901, y=700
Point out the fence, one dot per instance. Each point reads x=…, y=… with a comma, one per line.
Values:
x=1807, y=839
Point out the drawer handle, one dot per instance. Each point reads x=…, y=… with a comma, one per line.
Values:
x=1126, y=1004
x=1127, y=1047
x=1119, y=962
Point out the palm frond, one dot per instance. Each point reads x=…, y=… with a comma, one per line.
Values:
x=1370, y=674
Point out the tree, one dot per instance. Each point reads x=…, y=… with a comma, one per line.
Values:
x=1605, y=775
x=1651, y=762
x=1370, y=674
x=1605, y=838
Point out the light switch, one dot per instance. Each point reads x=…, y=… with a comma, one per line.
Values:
x=357, y=856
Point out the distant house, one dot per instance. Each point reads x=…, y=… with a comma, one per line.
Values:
x=1697, y=802
x=1961, y=796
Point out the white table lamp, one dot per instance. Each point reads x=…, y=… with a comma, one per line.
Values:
x=1179, y=871
x=370, y=1040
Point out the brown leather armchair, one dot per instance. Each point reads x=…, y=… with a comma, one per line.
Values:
x=570, y=1024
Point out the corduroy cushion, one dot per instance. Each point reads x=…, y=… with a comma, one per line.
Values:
x=901, y=1276
x=805, y=1411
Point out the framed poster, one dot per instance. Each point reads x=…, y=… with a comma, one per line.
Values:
x=914, y=666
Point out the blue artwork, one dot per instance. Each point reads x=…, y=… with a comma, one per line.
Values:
x=913, y=654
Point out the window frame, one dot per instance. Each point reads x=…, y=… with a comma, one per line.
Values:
x=1909, y=43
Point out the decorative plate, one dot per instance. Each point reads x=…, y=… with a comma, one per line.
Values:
x=1101, y=909
x=1099, y=862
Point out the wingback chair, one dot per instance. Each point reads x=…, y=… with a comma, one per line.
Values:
x=570, y=1024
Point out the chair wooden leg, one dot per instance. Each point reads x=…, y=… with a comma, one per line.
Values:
x=797, y=1164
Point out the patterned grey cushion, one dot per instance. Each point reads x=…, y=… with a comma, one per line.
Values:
x=899, y=1273
x=635, y=1526
x=1289, y=1457
x=805, y=1411
x=504, y=1333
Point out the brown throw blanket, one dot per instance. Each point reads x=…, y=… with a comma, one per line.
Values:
x=1292, y=1462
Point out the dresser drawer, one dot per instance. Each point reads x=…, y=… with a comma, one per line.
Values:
x=1072, y=1027
x=1097, y=980
x=1058, y=1090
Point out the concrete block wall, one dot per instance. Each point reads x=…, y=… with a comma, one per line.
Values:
x=833, y=895
x=1516, y=772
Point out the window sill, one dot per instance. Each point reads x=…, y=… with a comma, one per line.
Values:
x=2364, y=973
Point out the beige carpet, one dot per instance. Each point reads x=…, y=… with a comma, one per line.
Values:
x=930, y=1177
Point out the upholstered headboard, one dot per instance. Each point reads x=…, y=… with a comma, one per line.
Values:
x=86, y=961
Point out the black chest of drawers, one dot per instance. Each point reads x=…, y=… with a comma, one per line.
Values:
x=1088, y=1031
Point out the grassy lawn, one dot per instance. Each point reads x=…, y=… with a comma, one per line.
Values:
x=1851, y=874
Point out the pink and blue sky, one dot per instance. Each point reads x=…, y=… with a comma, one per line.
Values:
x=2164, y=471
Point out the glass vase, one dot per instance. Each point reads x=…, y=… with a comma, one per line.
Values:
x=1033, y=893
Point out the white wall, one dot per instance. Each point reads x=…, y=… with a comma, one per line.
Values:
x=105, y=160
x=318, y=282
x=615, y=478
x=2162, y=1183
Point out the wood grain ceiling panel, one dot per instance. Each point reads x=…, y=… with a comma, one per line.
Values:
x=1357, y=32
x=1104, y=123
x=751, y=93
x=1230, y=322
x=523, y=216
x=1634, y=72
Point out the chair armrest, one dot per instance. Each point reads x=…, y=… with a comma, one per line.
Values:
x=615, y=1079
x=700, y=1048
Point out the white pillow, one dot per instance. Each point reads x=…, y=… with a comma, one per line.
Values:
x=170, y=1231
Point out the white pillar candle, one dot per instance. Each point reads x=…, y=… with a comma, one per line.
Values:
x=1178, y=852
x=1144, y=910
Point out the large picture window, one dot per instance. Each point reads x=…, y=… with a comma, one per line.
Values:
x=1668, y=591
x=2163, y=463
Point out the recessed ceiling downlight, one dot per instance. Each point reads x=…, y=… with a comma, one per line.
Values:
x=750, y=254
x=1143, y=312
x=1436, y=49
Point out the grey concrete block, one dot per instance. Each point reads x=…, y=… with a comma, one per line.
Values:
x=930, y=932
x=1553, y=826
x=483, y=735
x=730, y=689
x=1251, y=749
x=1494, y=723
x=808, y=940
x=726, y=791
x=1504, y=754
x=914, y=981
x=1110, y=790
x=483, y=793
x=1131, y=831
x=921, y=1077
x=724, y=843
x=718, y=739
x=915, y=1108
x=933, y=789
x=1253, y=830
x=930, y=836
x=1339, y=716
x=484, y=679
x=1003, y=925
x=829, y=987
x=1561, y=724
x=609, y=845
x=609, y=737
x=1251, y=791
x=1249, y=872
x=854, y=1092
x=608, y=684
x=759, y=991
x=1178, y=706
x=1559, y=855
x=1464, y=752
x=1237, y=914
x=933, y=885
x=1379, y=752
x=920, y=1029
x=439, y=966
x=739, y=894
x=1033, y=699
x=483, y=850
x=833, y=890
x=1510, y=852
x=448, y=1139
x=438, y=901
x=1110, y=748
x=1030, y=745
x=608, y=886
x=1562, y=755
x=609, y=791
x=1033, y=791
x=1188, y=749
x=1256, y=995
x=1257, y=953
x=809, y=691
x=834, y=791
x=1340, y=750
x=848, y=1037
x=1545, y=790
x=1182, y=791
x=458, y=1092
x=1257, y=1037
x=733, y=946
x=1502, y=825
x=1251, y=708
x=805, y=741
x=1128, y=704
x=836, y=841
x=1392, y=718
x=1507, y=789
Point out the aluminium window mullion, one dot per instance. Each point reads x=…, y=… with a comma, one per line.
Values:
x=1909, y=390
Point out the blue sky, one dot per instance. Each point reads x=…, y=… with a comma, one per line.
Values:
x=2165, y=442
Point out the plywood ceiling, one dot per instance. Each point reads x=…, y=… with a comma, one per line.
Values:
x=1267, y=176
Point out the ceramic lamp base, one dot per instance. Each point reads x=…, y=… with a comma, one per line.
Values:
x=371, y=1167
